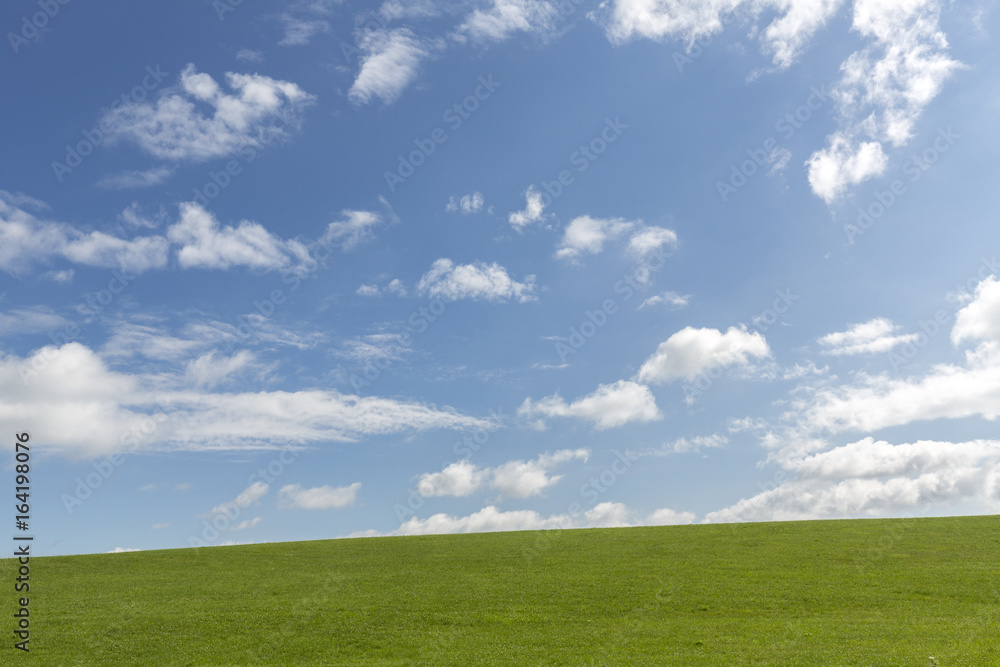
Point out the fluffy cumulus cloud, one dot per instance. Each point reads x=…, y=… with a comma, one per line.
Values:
x=205, y=244
x=883, y=88
x=491, y=519
x=390, y=61
x=477, y=281
x=257, y=111
x=691, y=352
x=609, y=406
x=844, y=163
x=26, y=240
x=870, y=337
x=467, y=203
x=353, y=229
x=247, y=497
x=587, y=235
x=651, y=239
x=980, y=319
x=514, y=479
x=503, y=18
x=533, y=211
x=870, y=477
x=87, y=409
x=197, y=239
x=672, y=299
x=876, y=478
x=318, y=498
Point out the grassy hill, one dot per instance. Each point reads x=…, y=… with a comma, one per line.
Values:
x=874, y=592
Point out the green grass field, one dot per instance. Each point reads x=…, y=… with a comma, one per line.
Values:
x=875, y=592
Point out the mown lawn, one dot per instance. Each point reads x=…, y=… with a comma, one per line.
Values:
x=874, y=592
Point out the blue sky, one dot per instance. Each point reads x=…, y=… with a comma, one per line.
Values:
x=326, y=269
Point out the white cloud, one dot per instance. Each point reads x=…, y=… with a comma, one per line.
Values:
x=514, y=479
x=261, y=110
x=206, y=244
x=697, y=443
x=844, y=163
x=396, y=287
x=243, y=525
x=794, y=21
x=874, y=402
x=588, y=235
x=250, y=55
x=32, y=319
x=478, y=280
x=63, y=277
x=467, y=203
x=392, y=10
x=669, y=517
x=690, y=352
x=121, y=550
x=523, y=479
x=461, y=478
x=533, y=210
x=673, y=299
x=883, y=90
x=21, y=200
x=353, y=229
x=209, y=370
x=491, y=519
x=649, y=239
x=86, y=410
x=299, y=31
x=657, y=19
x=25, y=240
x=134, y=217
x=373, y=347
x=609, y=406
x=245, y=499
x=389, y=64
x=874, y=478
x=125, y=180
x=980, y=319
x=869, y=337
x=506, y=17
x=319, y=497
